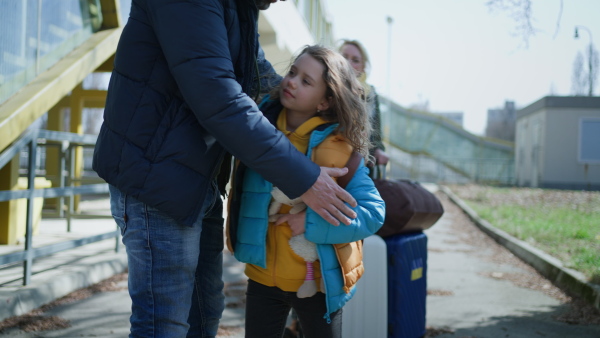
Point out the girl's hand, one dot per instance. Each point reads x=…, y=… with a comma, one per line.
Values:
x=295, y=221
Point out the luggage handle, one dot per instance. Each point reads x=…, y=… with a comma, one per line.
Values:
x=379, y=171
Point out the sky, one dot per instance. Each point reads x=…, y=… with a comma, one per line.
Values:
x=461, y=56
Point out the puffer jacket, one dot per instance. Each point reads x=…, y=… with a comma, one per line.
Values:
x=177, y=102
x=248, y=224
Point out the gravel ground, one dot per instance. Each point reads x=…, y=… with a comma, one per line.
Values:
x=584, y=201
x=545, y=200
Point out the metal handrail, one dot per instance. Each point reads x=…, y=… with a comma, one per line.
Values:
x=31, y=139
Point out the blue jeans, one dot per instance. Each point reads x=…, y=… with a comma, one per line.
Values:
x=175, y=271
x=267, y=309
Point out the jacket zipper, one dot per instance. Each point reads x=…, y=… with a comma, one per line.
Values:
x=213, y=174
x=326, y=316
x=274, y=255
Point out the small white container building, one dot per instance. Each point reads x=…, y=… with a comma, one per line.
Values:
x=558, y=143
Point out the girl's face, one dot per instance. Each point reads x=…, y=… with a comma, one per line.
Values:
x=303, y=89
x=351, y=53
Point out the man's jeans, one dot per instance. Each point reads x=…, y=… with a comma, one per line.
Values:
x=175, y=271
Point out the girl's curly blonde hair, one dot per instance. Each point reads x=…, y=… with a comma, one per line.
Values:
x=344, y=93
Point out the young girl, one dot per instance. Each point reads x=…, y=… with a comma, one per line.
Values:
x=318, y=107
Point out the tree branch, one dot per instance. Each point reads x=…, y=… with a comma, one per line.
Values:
x=520, y=11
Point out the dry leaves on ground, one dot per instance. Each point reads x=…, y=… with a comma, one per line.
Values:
x=36, y=321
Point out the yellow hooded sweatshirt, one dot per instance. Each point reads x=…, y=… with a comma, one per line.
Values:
x=285, y=269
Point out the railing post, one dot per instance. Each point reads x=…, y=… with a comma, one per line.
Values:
x=9, y=178
x=61, y=180
x=27, y=264
x=118, y=240
x=70, y=183
x=76, y=126
x=440, y=171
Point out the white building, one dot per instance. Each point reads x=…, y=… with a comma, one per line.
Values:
x=558, y=143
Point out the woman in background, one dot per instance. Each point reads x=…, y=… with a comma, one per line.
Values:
x=355, y=53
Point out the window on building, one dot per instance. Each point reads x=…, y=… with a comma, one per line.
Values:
x=589, y=140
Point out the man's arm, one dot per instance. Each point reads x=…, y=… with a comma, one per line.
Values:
x=195, y=43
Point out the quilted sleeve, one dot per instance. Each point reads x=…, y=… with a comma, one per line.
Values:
x=194, y=39
x=370, y=214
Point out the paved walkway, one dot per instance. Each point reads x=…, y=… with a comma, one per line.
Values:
x=476, y=288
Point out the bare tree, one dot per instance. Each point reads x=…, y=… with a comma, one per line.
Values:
x=593, y=61
x=520, y=11
x=584, y=80
x=578, y=76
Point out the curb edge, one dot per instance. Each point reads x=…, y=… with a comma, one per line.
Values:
x=550, y=267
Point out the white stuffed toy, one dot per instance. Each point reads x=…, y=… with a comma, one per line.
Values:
x=301, y=246
x=279, y=199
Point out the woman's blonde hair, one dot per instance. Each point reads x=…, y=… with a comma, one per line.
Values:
x=361, y=49
x=344, y=93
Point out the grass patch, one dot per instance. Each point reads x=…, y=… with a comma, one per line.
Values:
x=564, y=224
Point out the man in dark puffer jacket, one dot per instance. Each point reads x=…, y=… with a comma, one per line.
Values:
x=177, y=102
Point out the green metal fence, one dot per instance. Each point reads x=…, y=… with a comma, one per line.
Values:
x=430, y=147
x=30, y=141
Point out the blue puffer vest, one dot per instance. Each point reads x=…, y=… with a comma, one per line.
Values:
x=177, y=103
x=248, y=222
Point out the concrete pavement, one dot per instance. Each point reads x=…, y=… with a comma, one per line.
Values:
x=476, y=288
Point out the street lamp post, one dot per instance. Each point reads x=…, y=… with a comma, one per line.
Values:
x=390, y=21
x=590, y=58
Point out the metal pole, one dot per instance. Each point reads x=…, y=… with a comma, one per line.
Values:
x=70, y=183
x=38, y=53
x=388, y=118
x=390, y=21
x=27, y=264
x=62, y=167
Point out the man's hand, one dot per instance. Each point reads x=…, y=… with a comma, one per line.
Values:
x=327, y=198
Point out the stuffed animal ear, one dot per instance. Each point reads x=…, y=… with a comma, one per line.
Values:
x=298, y=208
x=278, y=199
x=274, y=208
x=279, y=196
